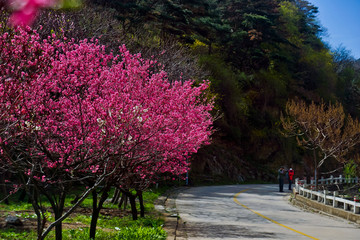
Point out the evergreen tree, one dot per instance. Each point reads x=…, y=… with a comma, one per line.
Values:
x=253, y=29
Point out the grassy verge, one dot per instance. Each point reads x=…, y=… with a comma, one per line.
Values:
x=113, y=223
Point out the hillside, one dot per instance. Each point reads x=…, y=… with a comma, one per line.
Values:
x=257, y=54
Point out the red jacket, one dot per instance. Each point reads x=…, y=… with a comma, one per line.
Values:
x=291, y=174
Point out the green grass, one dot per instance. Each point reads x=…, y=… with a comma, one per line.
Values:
x=144, y=233
x=16, y=206
x=108, y=227
x=120, y=228
x=14, y=234
x=126, y=233
x=117, y=228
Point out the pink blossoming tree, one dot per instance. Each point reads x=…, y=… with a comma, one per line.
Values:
x=72, y=113
x=25, y=11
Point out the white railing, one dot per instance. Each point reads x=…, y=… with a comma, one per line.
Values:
x=326, y=197
x=331, y=180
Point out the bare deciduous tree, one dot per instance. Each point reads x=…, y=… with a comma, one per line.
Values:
x=324, y=129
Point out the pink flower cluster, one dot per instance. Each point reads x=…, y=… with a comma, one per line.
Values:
x=25, y=11
x=87, y=109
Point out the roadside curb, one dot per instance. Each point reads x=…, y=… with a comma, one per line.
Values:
x=166, y=205
x=320, y=208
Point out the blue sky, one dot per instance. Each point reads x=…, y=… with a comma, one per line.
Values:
x=341, y=18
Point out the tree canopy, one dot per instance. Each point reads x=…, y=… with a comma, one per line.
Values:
x=72, y=113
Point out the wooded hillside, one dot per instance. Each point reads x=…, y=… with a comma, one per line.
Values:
x=257, y=54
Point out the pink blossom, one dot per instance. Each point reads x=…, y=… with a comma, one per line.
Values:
x=25, y=11
x=93, y=112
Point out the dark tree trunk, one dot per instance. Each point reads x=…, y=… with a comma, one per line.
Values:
x=94, y=216
x=58, y=211
x=141, y=201
x=132, y=201
x=116, y=196
x=96, y=209
x=58, y=208
x=3, y=189
x=33, y=198
x=133, y=206
x=38, y=211
x=123, y=200
x=58, y=227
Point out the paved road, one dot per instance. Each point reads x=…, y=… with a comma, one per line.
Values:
x=254, y=212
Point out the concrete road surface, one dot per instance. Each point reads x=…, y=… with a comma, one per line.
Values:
x=254, y=212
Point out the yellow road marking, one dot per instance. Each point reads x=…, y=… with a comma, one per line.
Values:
x=273, y=221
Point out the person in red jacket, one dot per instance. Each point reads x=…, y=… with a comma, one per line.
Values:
x=290, y=177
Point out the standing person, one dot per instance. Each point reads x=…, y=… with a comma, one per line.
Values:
x=290, y=177
x=281, y=176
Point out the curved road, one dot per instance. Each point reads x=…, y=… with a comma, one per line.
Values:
x=254, y=212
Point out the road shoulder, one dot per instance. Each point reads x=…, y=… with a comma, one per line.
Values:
x=166, y=205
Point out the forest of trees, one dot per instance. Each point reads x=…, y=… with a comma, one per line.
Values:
x=257, y=54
